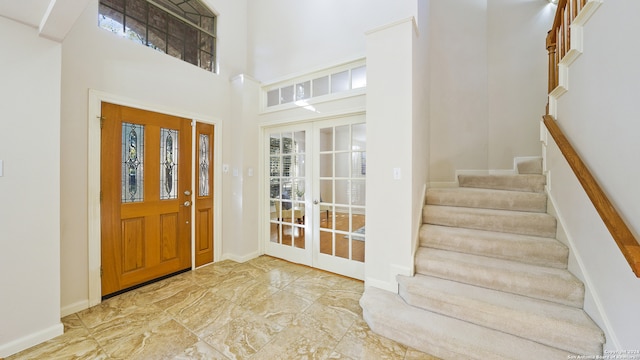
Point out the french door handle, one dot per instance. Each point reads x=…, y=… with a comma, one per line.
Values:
x=187, y=203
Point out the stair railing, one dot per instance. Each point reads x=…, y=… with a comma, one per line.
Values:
x=559, y=37
x=558, y=44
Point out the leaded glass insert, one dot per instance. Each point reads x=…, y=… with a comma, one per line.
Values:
x=132, y=162
x=203, y=162
x=168, y=164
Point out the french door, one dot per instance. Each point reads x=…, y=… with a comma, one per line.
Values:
x=316, y=194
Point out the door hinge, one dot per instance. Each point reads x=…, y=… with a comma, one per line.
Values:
x=101, y=271
x=101, y=121
x=101, y=196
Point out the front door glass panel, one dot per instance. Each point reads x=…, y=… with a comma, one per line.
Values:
x=132, y=162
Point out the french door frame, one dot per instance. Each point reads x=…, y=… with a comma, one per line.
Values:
x=311, y=126
x=93, y=202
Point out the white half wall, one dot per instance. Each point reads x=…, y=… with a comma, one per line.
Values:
x=599, y=115
x=29, y=188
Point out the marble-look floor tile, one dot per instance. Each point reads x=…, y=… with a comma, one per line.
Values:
x=279, y=278
x=115, y=330
x=322, y=317
x=266, y=308
x=346, y=302
x=310, y=287
x=201, y=309
x=247, y=293
x=243, y=336
x=74, y=344
x=165, y=341
x=200, y=351
x=298, y=343
x=282, y=307
x=413, y=354
x=361, y=343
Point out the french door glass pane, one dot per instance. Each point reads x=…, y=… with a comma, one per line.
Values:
x=342, y=172
x=287, y=188
x=132, y=162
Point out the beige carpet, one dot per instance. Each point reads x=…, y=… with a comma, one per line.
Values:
x=491, y=279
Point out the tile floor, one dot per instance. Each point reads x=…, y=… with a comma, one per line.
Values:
x=265, y=308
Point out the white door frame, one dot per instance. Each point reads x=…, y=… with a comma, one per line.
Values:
x=96, y=98
x=264, y=215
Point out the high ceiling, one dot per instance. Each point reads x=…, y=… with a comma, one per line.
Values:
x=53, y=18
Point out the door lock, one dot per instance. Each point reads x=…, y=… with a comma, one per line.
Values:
x=187, y=192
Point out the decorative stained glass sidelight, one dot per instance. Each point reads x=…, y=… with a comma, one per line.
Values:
x=203, y=161
x=168, y=164
x=132, y=162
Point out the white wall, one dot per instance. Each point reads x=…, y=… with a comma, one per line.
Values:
x=389, y=146
x=290, y=36
x=599, y=115
x=517, y=77
x=93, y=58
x=29, y=188
x=488, y=66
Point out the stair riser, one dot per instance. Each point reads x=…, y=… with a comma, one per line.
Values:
x=500, y=221
x=533, y=202
x=555, y=334
x=530, y=183
x=497, y=245
x=552, y=289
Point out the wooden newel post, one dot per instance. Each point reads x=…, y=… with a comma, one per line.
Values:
x=553, y=63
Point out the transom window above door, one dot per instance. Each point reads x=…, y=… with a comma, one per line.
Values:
x=185, y=29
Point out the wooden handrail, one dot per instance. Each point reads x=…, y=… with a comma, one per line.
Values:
x=613, y=221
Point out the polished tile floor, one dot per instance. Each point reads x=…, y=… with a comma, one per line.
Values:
x=265, y=308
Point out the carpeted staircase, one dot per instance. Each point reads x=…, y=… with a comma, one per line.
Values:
x=491, y=279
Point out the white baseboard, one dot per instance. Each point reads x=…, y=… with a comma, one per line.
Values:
x=240, y=258
x=564, y=237
x=384, y=285
x=74, y=308
x=28, y=341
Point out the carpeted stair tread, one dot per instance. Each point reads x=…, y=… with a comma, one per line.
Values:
x=488, y=199
x=552, y=324
x=517, y=222
x=445, y=337
x=527, y=249
x=520, y=182
x=544, y=283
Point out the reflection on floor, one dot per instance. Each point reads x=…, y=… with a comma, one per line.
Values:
x=265, y=308
x=294, y=235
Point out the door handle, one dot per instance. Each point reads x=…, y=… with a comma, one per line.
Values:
x=187, y=203
x=315, y=202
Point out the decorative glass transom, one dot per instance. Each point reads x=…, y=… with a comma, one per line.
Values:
x=132, y=162
x=185, y=29
x=203, y=161
x=168, y=164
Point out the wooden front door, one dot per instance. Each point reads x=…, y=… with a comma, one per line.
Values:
x=204, y=194
x=145, y=196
